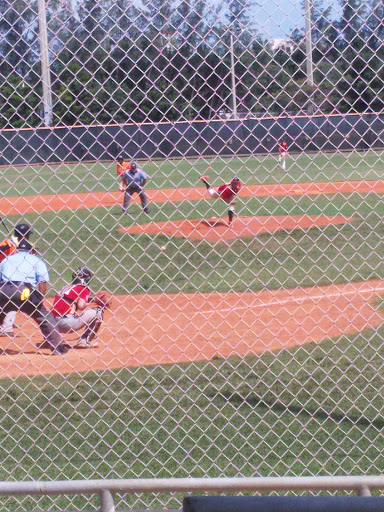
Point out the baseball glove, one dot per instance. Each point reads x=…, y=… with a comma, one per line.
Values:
x=103, y=299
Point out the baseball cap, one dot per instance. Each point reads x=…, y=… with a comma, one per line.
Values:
x=22, y=230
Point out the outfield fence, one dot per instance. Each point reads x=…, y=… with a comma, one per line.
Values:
x=249, y=352
x=193, y=139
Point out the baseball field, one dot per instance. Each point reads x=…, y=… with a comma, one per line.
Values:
x=266, y=330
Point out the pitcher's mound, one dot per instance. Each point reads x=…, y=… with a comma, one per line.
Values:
x=216, y=230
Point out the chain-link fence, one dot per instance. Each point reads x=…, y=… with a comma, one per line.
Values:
x=243, y=251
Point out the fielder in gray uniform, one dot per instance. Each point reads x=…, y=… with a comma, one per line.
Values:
x=24, y=277
x=133, y=182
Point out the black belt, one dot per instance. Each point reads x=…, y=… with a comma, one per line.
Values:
x=18, y=283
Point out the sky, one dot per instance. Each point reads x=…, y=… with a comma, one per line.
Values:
x=278, y=18
x=272, y=18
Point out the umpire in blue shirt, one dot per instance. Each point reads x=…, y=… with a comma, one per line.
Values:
x=133, y=182
x=23, y=284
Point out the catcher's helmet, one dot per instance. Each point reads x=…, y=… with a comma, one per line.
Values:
x=235, y=184
x=82, y=275
x=23, y=230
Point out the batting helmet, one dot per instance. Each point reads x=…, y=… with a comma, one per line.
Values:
x=235, y=184
x=133, y=165
x=120, y=158
x=82, y=275
x=23, y=231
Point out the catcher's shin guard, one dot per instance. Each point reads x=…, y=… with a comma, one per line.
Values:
x=91, y=331
x=231, y=212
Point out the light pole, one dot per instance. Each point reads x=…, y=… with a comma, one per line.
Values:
x=233, y=79
x=308, y=50
x=45, y=70
x=308, y=42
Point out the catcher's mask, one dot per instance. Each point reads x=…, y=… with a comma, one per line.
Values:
x=82, y=275
x=23, y=231
x=235, y=184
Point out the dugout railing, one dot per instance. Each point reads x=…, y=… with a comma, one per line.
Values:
x=362, y=485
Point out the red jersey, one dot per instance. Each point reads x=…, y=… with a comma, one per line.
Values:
x=7, y=252
x=122, y=168
x=283, y=147
x=65, y=301
x=226, y=193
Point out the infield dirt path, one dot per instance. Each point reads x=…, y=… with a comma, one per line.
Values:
x=189, y=327
x=192, y=327
x=40, y=203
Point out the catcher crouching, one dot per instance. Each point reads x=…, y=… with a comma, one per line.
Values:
x=71, y=307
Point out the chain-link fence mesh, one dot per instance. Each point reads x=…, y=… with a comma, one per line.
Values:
x=245, y=334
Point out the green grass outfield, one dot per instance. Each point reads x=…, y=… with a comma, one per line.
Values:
x=99, y=176
x=312, y=410
x=134, y=264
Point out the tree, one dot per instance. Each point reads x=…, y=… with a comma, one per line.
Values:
x=17, y=36
x=19, y=104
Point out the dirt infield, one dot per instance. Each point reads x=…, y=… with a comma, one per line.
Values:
x=189, y=327
x=217, y=230
x=17, y=205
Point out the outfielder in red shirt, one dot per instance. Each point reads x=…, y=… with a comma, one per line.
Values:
x=70, y=307
x=283, y=153
x=227, y=192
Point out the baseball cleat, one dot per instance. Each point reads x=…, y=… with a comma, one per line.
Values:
x=60, y=350
x=44, y=344
x=83, y=343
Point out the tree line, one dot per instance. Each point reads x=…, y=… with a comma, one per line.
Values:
x=114, y=61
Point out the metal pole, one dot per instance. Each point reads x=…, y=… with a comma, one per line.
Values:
x=308, y=50
x=44, y=57
x=107, y=488
x=308, y=42
x=233, y=77
x=364, y=491
x=106, y=501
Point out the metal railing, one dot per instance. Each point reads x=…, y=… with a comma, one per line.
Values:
x=363, y=485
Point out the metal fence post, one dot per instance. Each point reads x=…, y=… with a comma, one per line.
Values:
x=106, y=501
x=364, y=491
